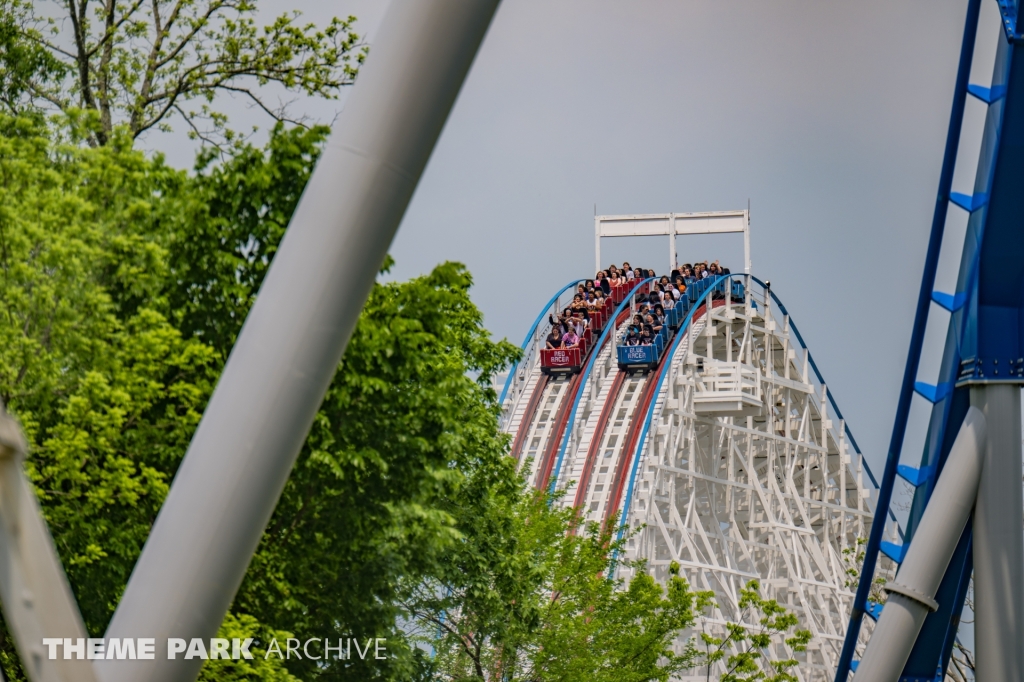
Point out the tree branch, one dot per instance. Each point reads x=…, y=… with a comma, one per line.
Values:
x=187, y=38
x=198, y=133
x=28, y=35
x=140, y=69
x=43, y=94
x=112, y=29
x=276, y=115
x=104, y=71
x=160, y=32
x=82, y=59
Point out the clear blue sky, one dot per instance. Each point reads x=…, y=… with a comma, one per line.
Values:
x=829, y=117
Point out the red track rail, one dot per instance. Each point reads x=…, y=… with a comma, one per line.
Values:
x=636, y=422
x=632, y=434
x=562, y=419
x=570, y=398
x=595, y=442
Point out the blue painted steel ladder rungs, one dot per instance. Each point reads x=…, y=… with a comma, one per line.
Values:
x=950, y=302
x=913, y=476
x=969, y=203
x=926, y=663
x=894, y=551
x=932, y=394
x=987, y=95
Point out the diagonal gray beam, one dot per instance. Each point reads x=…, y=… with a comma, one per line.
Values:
x=37, y=601
x=998, y=546
x=275, y=379
x=912, y=592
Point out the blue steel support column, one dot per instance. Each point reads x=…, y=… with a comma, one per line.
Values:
x=916, y=340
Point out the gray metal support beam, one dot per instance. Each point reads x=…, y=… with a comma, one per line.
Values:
x=286, y=355
x=912, y=593
x=37, y=601
x=998, y=539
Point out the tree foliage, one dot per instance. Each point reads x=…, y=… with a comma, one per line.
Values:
x=107, y=389
x=139, y=64
x=113, y=338
x=744, y=653
x=400, y=429
x=236, y=216
x=527, y=596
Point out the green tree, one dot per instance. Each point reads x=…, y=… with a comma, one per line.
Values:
x=227, y=235
x=105, y=386
x=109, y=378
x=138, y=64
x=401, y=428
x=853, y=560
x=262, y=668
x=744, y=651
x=526, y=595
x=21, y=62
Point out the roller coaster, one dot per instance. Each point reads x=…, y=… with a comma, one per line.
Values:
x=729, y=455
x=719, y=447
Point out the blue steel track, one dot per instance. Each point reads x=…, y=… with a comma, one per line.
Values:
x=986, y=325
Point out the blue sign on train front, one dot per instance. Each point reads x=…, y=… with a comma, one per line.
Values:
x=638, y=353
